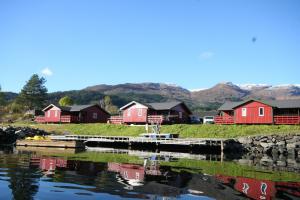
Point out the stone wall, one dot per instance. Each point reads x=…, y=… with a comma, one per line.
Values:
x=273, y=144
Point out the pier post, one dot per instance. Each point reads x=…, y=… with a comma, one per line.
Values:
x=222, y=149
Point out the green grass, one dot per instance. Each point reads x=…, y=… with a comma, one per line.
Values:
x=185, y=131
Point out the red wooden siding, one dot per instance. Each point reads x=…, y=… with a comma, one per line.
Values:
x=252, y=114
x=286, y=119
x=53, y=115
x=135, y=114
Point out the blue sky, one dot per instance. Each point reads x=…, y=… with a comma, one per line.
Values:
x=192, y=43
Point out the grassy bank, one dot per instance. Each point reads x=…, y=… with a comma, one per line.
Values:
x=190, y=131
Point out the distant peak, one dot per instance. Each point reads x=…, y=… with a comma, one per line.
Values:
x=227, y=83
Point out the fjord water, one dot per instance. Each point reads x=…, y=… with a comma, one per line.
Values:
x=36, y=173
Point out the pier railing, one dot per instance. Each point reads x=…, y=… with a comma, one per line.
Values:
x=115, y=120
x=224, y=120
x=68, y=119
x=286, y=119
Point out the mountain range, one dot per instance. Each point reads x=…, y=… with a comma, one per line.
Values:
x=198, y=100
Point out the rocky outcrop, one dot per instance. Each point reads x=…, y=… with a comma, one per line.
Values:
x=273, y=144
x=9, y=135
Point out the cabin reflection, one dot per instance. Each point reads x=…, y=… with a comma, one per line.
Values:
x=262, y=189
x=151, y=180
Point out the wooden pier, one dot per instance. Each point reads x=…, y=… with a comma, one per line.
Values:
x=50, y=143
x=184, y=142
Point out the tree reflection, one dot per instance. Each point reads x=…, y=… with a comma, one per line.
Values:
x=23, y=180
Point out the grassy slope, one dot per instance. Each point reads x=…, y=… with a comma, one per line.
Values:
x=191, y=131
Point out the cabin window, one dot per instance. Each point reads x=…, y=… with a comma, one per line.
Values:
x=55, y=114
x=129, y=112
x=180, y=115
x=244, y=112
x=140, y=112
x=261, y=111
x=49, y=112
x=95, y=115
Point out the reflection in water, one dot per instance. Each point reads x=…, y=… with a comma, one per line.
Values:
x=262, y=189
x=31, y=175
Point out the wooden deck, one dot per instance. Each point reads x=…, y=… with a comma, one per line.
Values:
x=50, y=143
x=224, y=120
x=286, y=119
x=142, y=140
x=278, y=120
x=157, y=119
x=63, y=119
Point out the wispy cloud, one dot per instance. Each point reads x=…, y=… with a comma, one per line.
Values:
x=47, y=72
x=205, y=55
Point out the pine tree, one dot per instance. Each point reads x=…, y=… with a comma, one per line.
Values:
x=34, y=93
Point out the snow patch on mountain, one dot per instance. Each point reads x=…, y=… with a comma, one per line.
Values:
x=197, y=90
x=284, y=86
x=251, y=86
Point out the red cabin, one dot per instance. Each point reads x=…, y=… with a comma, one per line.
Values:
x=260, y=112
x=167, y=112
x=73, y=114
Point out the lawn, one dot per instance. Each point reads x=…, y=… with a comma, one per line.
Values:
x=184, y=130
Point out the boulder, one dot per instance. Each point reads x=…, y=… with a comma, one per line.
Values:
x=245, y=140
x=266, y=145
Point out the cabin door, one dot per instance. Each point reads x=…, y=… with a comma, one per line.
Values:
x=82, y=117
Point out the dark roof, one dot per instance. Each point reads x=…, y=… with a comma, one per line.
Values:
x=159, y=106
x=291, y=103
x=207, y=113
x=228, y=105
x=168, y=106
x=75, y=108
x=164, y=105
x=64, y=108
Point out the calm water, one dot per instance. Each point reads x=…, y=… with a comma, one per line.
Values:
x=63, y=174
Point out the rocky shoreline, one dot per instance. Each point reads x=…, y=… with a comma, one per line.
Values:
x=273, y=152
x=272, y=145
x=9, y=135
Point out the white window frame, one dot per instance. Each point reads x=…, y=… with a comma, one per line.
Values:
x=95, y=115
x=263, y=111
x=49, y=113
x=244, y=112
x=140, y=112
x=55, y=113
